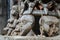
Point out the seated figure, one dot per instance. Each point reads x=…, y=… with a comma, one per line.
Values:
x=12, y=20
x=10, y=26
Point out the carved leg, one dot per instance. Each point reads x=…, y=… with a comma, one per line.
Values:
x=51, y=30
x=31, y=33
x=8, y=33
x=41, y=30
x=25, y=32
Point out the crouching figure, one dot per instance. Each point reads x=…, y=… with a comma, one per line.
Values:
x=25, y=24
x=49, y=25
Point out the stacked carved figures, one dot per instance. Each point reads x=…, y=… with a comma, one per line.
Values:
x=12, y=21
x=22, y=22
x=19, y=26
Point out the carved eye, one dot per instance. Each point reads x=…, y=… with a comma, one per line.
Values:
x=51, y=25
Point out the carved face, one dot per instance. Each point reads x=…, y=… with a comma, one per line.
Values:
x=41, y=7
x=52, y=5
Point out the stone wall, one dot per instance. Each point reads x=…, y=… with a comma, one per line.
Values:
x=3, y=15
x=28, y=38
